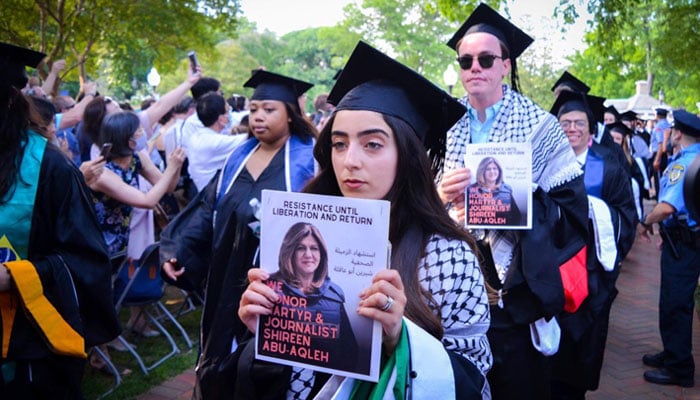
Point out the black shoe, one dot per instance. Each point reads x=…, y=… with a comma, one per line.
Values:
x=654, y=360
x=662, y=376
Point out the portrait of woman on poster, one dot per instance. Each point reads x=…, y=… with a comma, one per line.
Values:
x=303, y=273
x=489, y=179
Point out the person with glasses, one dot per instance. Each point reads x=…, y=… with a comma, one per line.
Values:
x=523, y=265
x=613, y=218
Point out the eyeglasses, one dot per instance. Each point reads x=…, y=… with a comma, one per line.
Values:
x=485, y=60
x=579, y=123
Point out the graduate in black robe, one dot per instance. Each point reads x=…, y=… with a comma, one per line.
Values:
x=55, y=274
x=577, y=364
x=213, y=239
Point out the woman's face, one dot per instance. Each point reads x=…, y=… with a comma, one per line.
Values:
x=307, y=257
x=364, y=154
x=608, y=118
x=617, y=137
x=133, y=140
x=269, y=121
x=491, y=174
x=111, y=106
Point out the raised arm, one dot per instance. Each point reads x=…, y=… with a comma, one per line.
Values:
x=56, y=67
x=75, y=114
x=112, y=185
x=170, y=99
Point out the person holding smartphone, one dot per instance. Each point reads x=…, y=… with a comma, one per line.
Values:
x=55, y=278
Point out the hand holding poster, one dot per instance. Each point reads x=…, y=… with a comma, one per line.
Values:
x=321, y=252
x=500, y=195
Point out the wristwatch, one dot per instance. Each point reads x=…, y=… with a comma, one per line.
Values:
x=644, y=224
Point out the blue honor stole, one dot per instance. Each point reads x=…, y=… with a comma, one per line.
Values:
x=593, y=174
x=299, y=164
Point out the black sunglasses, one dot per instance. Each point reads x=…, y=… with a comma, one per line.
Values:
x=485, y=61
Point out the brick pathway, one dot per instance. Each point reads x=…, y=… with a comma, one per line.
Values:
x=633, y=332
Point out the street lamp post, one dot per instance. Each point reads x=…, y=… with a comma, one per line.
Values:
x=450, y=77
x=153, y=79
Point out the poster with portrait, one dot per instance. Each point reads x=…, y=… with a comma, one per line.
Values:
x=321, y=252
x=500, y=193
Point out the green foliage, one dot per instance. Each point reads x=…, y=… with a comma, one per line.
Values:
x=633, y=40
x=414, y=32
x=125, y=37
x=459, y=10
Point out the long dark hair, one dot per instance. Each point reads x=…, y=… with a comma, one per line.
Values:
x=300, y=125
x=117, y=129
x=15, y=117
x=94, y=114
x=416, y=213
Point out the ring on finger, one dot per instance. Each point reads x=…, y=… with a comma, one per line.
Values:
x=389, y=303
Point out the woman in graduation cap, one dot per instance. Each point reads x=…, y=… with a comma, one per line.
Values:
x=432, y=303
x=211, y=240
x=55, y=286
x=636, y=166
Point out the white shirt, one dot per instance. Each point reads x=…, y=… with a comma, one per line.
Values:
x=206, y=149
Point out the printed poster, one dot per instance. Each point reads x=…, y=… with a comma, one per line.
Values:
x=500, y=193
x=321, y=252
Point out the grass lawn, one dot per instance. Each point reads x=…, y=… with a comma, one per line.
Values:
x=95, y=383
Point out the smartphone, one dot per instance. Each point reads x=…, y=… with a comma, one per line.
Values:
x=106, y=149
x=193, y=60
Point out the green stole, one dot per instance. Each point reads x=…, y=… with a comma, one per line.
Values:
x=16, y=212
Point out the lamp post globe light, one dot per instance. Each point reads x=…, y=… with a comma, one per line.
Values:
x=153, y=78
x=450, y=77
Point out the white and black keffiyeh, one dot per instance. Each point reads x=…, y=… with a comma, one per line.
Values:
x=519, y=120
x=300, y=385
x=451, y=273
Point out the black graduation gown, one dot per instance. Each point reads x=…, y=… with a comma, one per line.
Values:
x=216, y=245
x=584, y=332
x=68, y=254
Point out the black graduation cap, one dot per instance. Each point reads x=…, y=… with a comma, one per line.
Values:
x=374, y=81
x=661, y=112
x=619, y=127
x=271, y=86
x=13, y=59
x=612, y=110
x=337, y=74
x=486, y=19
x=686, y=122
x=628, y=115
x=571, y=81
x=580, y=102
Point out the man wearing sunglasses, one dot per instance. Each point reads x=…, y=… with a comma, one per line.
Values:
x=523, y=265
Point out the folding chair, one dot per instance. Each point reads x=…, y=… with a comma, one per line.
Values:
x=130, y=291
x=112, y=369
x=129, y=287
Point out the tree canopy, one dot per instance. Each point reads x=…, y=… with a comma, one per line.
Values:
x=118, y=43
x=121, y=40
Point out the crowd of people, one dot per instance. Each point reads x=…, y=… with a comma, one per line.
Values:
x=496, y=313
